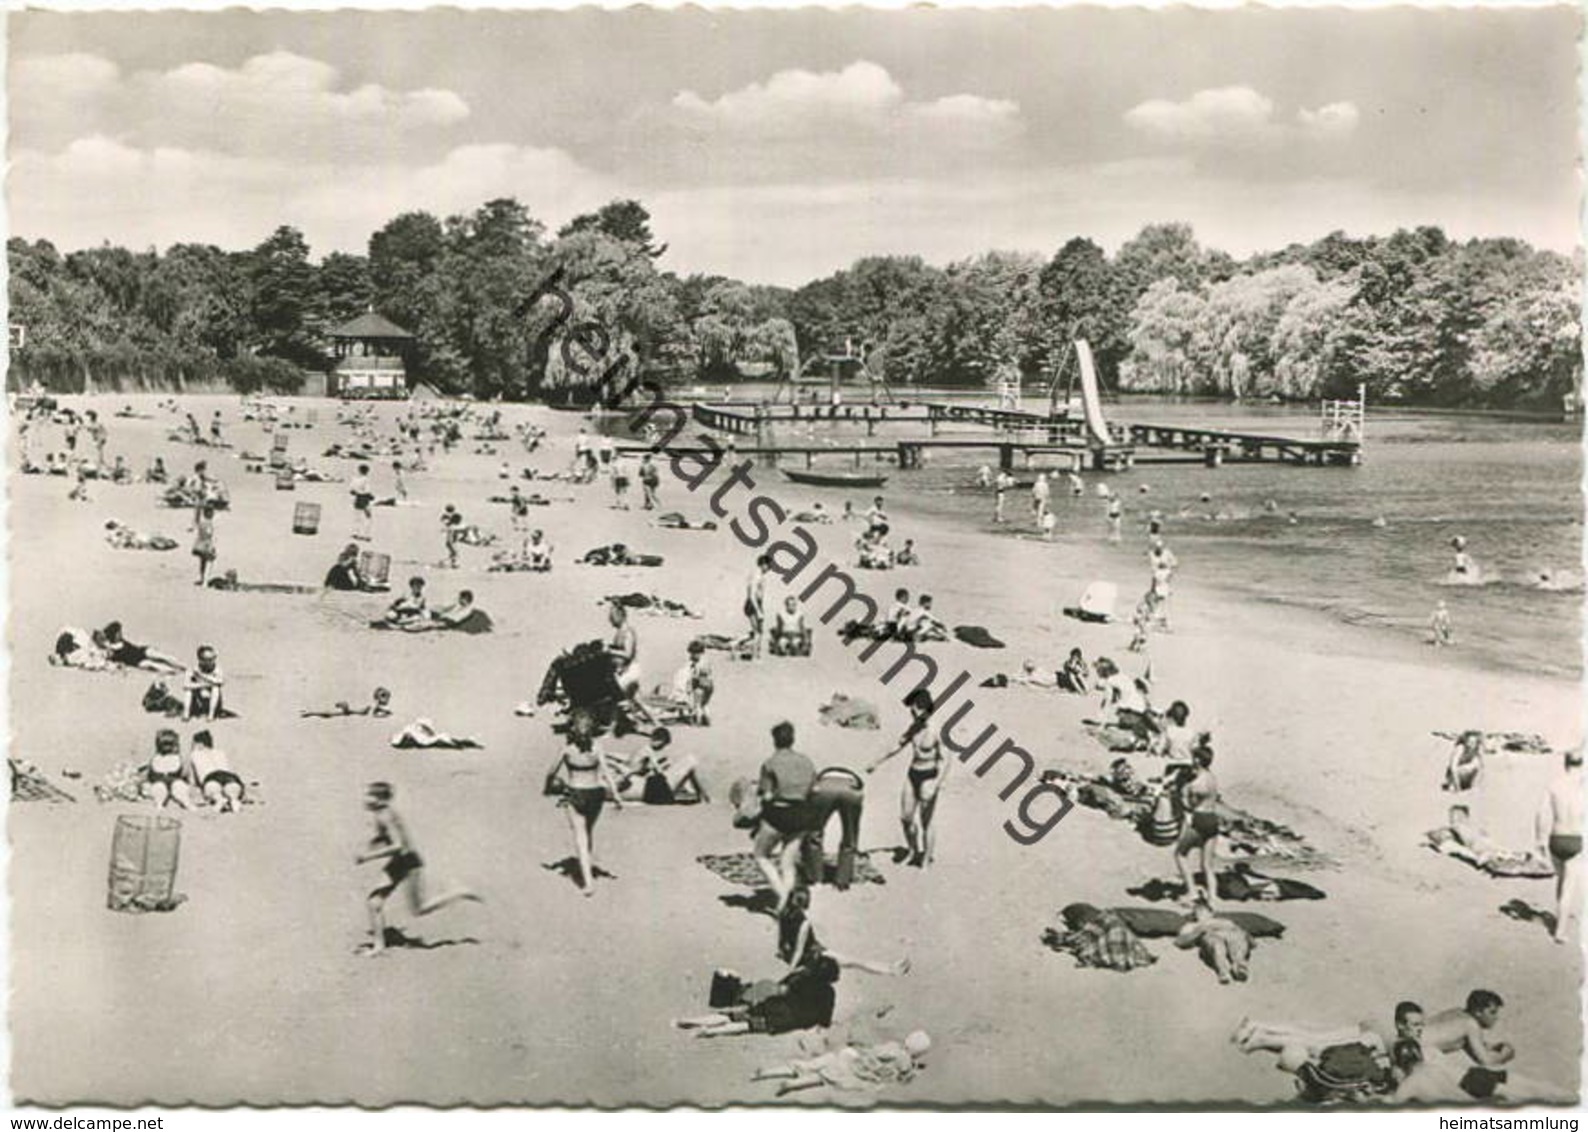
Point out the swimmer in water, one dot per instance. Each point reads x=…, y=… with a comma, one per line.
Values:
x=1462, y=568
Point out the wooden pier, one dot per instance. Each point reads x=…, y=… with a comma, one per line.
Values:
x=1217, y=447
x=1011, y=454
x=1021, y=437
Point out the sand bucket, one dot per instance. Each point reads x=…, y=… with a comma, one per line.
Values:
x=375, y=568
x=143, y=858
x=285, y=480
x=1162, y=825
x=306, y=519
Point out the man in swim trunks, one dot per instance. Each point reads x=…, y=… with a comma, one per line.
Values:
x=204, y=684
x=1559, y=828
x=784, y=788
x=755, y=601
x=1199, y=798
x=392, y=845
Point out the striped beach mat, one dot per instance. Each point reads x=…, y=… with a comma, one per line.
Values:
x=741, y=869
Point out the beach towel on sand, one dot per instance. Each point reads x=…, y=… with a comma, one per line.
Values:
x=421, y=734
x=1153, y=923
x=741, y=869
x=28, y=784
x=844, y=711
x=977, y=637
x=1238, y=883
x=1098, y=938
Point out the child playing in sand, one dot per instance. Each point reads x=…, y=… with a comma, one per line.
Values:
x=392, y=845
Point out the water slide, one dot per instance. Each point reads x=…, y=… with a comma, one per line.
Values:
x=1096, y=426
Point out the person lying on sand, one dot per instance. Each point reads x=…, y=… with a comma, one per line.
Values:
x=675, y=520
x=167, y=774
x=852, y=1066
x=76, y=648
x=804, y=997
x=119, y=650
x=1223, y=944
x=392, y=845
x=123, y=537
x=378, y=707
x=210, y=774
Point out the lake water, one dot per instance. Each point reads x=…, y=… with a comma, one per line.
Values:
x=1511, y=489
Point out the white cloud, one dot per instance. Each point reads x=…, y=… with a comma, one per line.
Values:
x=831, y=123
x=277, y=102
x=1230, y=114
x=97, y=188
x=1236, y=116
x=1336, y=120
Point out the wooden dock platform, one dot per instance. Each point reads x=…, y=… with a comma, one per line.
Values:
x=1019, y=437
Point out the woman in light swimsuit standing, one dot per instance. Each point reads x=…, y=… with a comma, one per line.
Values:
x=1199, y=796
x=586, y=781
x=923, y=782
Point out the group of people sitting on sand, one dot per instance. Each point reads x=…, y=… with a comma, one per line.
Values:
x=411, y=613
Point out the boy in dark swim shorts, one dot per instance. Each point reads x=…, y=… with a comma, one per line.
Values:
x=403, y=865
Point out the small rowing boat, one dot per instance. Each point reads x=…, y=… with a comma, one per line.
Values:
x=835, y=479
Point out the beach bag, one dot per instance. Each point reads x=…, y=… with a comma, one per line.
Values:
x=306, y=519
x=143, y=860
x=1161, y=826
x=726, y=990
x=375, y=569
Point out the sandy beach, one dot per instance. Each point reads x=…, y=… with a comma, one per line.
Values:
x=251, y=992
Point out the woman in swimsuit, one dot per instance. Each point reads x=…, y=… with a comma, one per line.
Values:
x=923, y=782
x=1199, y=797
x=586, y=782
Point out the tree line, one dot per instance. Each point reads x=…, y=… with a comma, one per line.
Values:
x=1413, y=316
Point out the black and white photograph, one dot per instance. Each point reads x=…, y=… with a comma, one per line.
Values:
x=843, y=558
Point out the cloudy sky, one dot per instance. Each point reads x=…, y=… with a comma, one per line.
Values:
x=779, y=146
